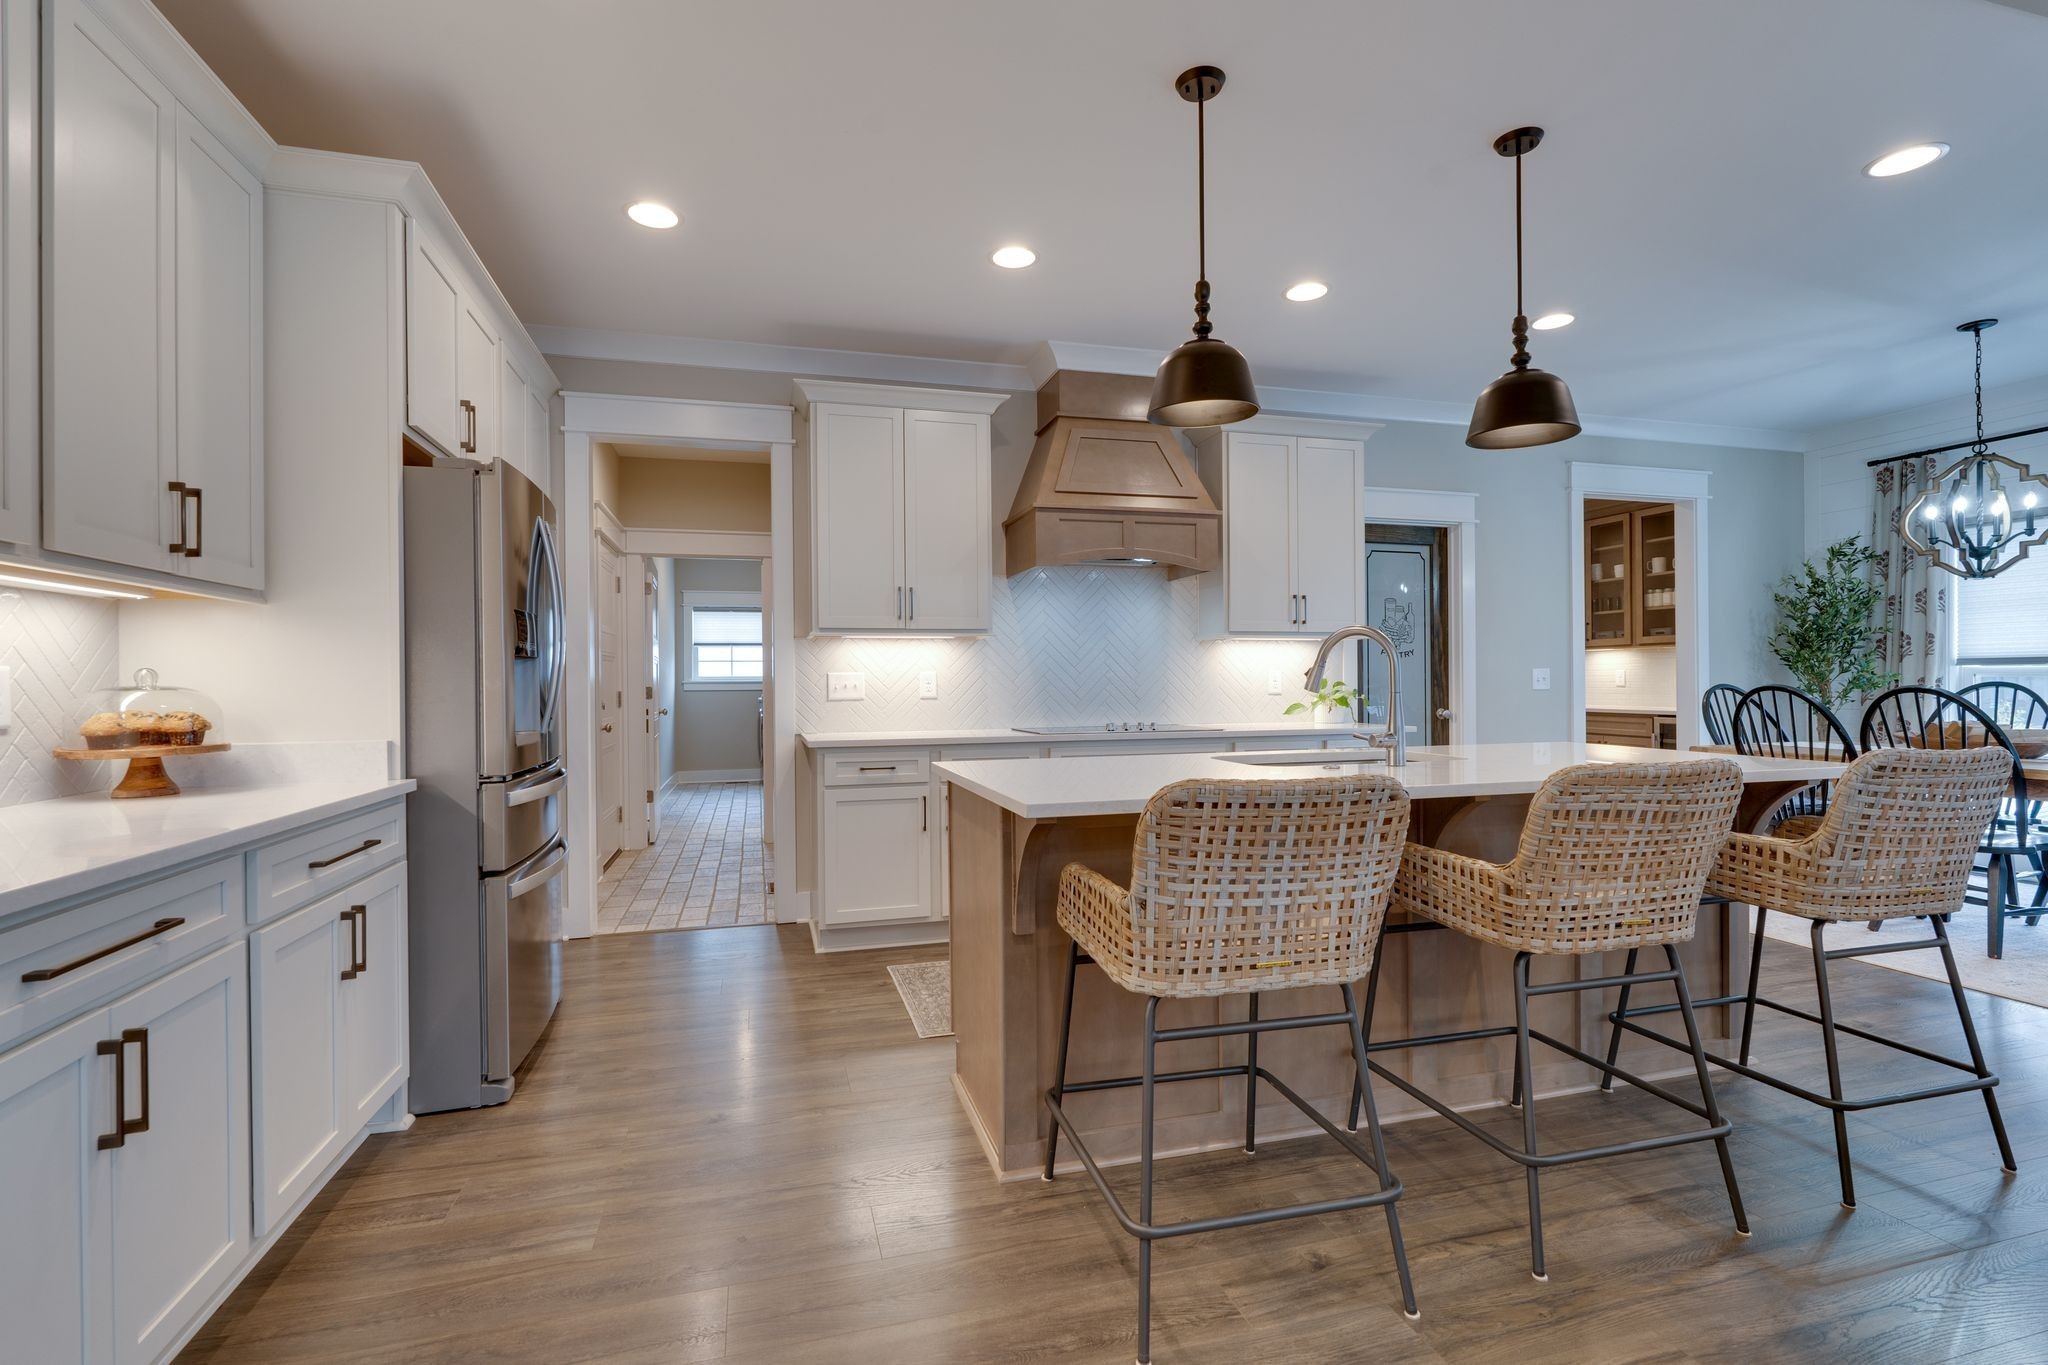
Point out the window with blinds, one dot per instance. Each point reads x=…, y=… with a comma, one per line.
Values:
x=721, y=639
x=2004, y=619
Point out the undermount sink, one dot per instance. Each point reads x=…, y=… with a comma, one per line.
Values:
x=1306, y=758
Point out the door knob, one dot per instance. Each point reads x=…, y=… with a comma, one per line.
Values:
x=662, y=712
x=1443, y=713
x=606, y=727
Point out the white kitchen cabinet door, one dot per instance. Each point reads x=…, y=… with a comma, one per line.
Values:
x=373, y=1002
x=1329, y=533
x=109, y=437
x=219, y=220
x=540, y=449
x=433, y=303
x=1258, y=513
x=295, y=968
x=20, y=213
x=56, y=1099
x=857, y=518
x=946, y=521
x=476, y=379
x=512, y=418
x=180, y=1185
x=876, y=862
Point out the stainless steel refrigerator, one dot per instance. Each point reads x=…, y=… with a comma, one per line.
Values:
x=485, y=654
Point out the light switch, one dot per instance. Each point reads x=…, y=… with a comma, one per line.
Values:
x=846, y=687
x=1621, y=677
x=1539, y=680
x=927, y=685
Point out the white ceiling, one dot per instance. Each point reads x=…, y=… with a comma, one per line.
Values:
x=845, y=169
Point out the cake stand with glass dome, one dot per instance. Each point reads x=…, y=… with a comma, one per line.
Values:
x=144, y=723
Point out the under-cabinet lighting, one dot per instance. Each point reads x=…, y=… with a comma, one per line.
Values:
x=74, y=589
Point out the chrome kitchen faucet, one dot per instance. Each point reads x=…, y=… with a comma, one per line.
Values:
x=1395, y=739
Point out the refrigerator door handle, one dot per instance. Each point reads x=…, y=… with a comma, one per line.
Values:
x=539, y=787
x=550, y=867
x=557, y=667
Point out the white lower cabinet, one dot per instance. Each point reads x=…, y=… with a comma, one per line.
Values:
x=373, y=1001
x=875, y=854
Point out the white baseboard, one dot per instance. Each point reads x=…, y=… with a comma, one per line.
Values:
x=669, y=784
x=701, y=775
x=859, y=938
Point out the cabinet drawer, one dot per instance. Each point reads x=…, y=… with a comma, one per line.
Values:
x=94, y=951
x=1619, y=727
x=876, y=769
x=293, y=871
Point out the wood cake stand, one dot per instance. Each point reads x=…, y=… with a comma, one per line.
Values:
x=145, y=775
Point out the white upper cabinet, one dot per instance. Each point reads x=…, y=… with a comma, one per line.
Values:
x=476, y=378
x=512, y=417
x=540, y=446
x=153, y=266
x=457, y=368
x=20, y=326
x=1293, y=531
x=896, y=496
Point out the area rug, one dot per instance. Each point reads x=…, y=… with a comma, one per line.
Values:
x=2022, y=974
x=927, y=991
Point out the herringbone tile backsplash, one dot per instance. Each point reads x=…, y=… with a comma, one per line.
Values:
x=1068, y=645
x=55, y=648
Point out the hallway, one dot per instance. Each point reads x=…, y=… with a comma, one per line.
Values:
x=707, y=871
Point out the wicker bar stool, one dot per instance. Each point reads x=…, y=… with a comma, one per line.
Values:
x=1237, y=887
x=1901, y=831
x=1612, y=856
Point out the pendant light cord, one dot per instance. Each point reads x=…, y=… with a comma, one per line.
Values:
x=1980, y=447
x=1521, y=357
x=1202, y=327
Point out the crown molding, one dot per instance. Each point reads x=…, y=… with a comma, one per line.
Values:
x=595, y=343
x=897, y=396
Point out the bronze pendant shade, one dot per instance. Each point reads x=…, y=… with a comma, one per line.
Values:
x=1525, y=406
x=1202, y=382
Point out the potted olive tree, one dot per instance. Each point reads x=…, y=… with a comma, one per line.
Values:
x=1826, y=636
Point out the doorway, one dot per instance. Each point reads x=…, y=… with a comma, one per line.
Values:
x=696, y=857
x=1405, y=597
x=611, y=698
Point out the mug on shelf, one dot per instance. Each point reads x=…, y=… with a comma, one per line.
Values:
x=1659, y=564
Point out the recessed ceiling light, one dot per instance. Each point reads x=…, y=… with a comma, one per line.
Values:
x=1550, y=322
x=1906, y=159
x=1014, y=257
x=649, y=214
x=1308, y=291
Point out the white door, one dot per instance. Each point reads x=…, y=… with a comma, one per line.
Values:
x=877, y=856
x=1258, y=505
x=653, y=703
x=946, y=532
x=180, y=1195
x=1329, y=533
x=857, y=510
x=476, y=379
x=610, y=708
x=373, y=1000
x=109, y=440
x=20, y=216
x=219, y=361
x=433, y=301
x=295, y=967
x=56, y=1100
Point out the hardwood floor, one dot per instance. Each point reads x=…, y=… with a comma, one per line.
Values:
x=730, y=1149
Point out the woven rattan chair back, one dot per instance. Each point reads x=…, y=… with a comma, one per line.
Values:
x=1616, y=855
x=1254, y=886
x=1717, y=711
x=2015, y=706
x=1899, y=838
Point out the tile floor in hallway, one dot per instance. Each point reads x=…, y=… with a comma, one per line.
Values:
x=706, y=871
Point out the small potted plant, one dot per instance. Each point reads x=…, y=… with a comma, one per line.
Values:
x=1329, y=704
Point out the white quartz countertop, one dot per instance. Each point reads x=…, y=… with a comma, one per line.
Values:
x=1121, y=784
x=54, y=850
x=1222, y=732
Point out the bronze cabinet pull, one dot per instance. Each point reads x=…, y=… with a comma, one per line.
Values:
x=177, y=547
x=198, y=545
x=109, y=1047
x=354, y=969
x=141, y=1036
x=362, y=914
x=469, y=417
x=364, y=847
x=878, y=767
x=924, y=813
x=162, y=926
x=912, y=616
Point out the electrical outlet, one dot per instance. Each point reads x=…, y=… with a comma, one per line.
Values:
x=1539, y=680
x=1621, y=677
x=1273, y=687
x=846, y=687
x=927, y=685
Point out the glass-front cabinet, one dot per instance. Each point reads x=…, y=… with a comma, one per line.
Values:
x=1631, y=575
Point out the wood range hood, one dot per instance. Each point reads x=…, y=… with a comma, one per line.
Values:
x=1105, y=486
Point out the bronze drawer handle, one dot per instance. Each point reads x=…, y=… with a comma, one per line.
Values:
x=118, y=1050
x=356, y=918
x=198, y=545
x=878, y=767
x=364, y=847
x=177, y=547
x=162, y=926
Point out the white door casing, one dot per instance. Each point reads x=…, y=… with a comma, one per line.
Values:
x=610, y=709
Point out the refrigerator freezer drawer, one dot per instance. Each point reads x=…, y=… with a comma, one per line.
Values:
x=520, y=817
x=522, y=912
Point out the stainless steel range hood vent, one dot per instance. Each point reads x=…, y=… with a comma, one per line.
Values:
x=1105, y=486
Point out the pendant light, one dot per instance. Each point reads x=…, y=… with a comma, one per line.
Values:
x=1524, y=407
x=1968, y=520
x=1202, y=382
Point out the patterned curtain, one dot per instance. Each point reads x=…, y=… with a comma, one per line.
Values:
x=1913, y=639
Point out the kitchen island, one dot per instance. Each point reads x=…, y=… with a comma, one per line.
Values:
x=1013, y=824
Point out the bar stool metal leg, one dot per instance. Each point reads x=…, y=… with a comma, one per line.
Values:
x=1699, y=1063
x=1362, y=1093
x=1994, y=905
x=1059, y=1079
x=1614, y=1040
x=1827, y=1034
x=1756, y=967
x=1251, y=1082
x=1372, y=995
x=1147, y=1087
x=1524, y=1068
x=1955, y=985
